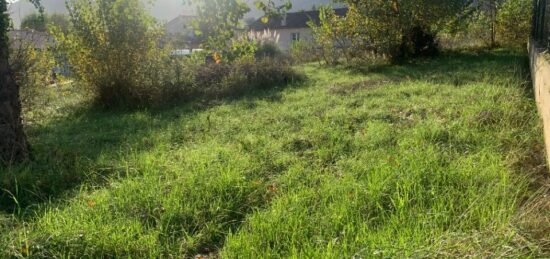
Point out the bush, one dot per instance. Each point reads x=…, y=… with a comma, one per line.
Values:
x=393, y=30
x=41, y=22
x=121, y=65
x=126, y=67
x=268, y=50
x=304, y=52
x=506, y=22
x=33, y=72
x=215, y=81
x=418, y=43
x=514, y=22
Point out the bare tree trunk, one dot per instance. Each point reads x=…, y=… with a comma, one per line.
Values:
x=493, y=10
x=13, y=141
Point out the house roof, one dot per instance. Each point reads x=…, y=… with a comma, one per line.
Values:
x=293, y=20
x=181, y=19
x=22, y=38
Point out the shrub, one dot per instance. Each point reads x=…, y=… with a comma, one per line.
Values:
x=33, y=71
x=121, y=65
x=514, y=22
x=304, y=52
x=267, y=43
x=268, y=49
x=394, y=30
x=215, y=81
x=491, y=23
x=240, y=48
x=41, y=22
x=127, y=67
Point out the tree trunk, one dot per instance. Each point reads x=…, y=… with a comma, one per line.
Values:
x=493, y=13
x=13, y=142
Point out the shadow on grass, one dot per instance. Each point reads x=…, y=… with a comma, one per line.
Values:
x=84, y=146
x=456, y=68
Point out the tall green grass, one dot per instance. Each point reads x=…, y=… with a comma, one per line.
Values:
x=433, y=158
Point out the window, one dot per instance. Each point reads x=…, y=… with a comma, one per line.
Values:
x=295, y=36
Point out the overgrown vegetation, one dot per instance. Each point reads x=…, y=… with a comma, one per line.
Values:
x=397, y=31
x=494, y=22
x=439, y=157
x=128, y=68
x=121, y=65
x=432, y=158
x=33, y=71
x=41, y=22
x=394, y=30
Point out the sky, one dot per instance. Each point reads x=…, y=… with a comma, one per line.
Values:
x=163, y=10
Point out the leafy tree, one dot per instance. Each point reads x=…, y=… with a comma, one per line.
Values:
x=217, y=21
x=112, y=46
x=13, y=142
x=497, y=22
x=332, y=36
x=41, y=22
x=396, y=29
x=34, y=21
x=271, y=9
x=514, y=21
x=59, y=21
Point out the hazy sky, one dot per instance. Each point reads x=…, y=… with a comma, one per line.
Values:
x=163, y=10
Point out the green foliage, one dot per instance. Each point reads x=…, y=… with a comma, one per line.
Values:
x=127, y=67
x=495, y=22
x=391, y=29
x=514, y=22
x=304, y=52
x=41, y=22
x=4, y=26
x=33, y=72
x=271, y=9
x=59, y=21
x=119, y=63
x=268, y=49
x=34, y=21
x=241, y=48
x=217, y=81
x=332, y=35
x=218, y=20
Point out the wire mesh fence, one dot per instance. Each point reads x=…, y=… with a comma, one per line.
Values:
x=541, y=22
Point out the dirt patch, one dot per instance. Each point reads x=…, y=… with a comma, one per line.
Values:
x=349, y=88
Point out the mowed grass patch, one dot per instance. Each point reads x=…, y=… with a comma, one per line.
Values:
x=430, y=158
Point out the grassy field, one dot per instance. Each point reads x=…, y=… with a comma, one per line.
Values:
x=435, y=158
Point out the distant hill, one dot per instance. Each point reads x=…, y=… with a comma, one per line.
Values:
x=163, y=10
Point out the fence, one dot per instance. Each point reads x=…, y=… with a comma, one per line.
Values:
x=541, y=22
x=540, y=64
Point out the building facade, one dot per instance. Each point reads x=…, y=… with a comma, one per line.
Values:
x=291, y=27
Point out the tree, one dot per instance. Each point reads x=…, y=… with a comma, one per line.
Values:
x=514, y=21
x=113, y=47
x=42, y=22
x=394, y=29
x=218, y=20
x=34, y=21
x=497, y=22
x=13, y=141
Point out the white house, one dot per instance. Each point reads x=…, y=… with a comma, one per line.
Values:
x=291, y=27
